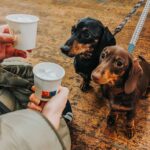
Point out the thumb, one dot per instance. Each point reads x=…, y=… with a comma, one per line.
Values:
x=6, y=38
x=4, y=29
x=20, y=53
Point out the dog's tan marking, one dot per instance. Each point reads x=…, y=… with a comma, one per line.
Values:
x=131, y=124
x=78, y=48
x=119, y=107
x=130, y=128
x=108, y=77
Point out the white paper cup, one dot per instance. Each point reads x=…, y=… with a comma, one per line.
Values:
x=47, y=79
x=24, y=27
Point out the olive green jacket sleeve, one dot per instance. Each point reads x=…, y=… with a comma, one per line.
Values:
x=29, y=130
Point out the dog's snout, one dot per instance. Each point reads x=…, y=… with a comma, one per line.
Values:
x=94, y=77
x=65, y=49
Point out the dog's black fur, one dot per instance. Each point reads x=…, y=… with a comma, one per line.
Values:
x=124, y=81
x=89, y=37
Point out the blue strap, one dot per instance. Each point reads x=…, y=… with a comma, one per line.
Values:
x=131, y=48
x=139, y=27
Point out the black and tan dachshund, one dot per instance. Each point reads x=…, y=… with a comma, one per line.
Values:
x=124, y=81
x=88, y=38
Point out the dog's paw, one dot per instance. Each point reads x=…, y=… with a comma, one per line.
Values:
x=130, y=132
x=110, y=132
x=85, y=87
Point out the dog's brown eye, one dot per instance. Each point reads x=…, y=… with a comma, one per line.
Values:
x=119, y=63
x=86, y=35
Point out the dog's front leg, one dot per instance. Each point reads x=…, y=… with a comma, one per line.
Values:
x=110, y=130
x=111, y=119
x=85, y=86
x=130, y=126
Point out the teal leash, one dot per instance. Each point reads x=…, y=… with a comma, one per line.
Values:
x=139, y=27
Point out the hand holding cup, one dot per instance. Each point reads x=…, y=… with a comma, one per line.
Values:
x=47, y=79
x=24, y=27
x=7, y=42
x=53, y=109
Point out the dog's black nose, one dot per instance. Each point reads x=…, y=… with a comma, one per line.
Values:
x=65, y=49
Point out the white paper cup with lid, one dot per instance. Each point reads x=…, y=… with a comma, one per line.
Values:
x=24, y=27
x=47, y=79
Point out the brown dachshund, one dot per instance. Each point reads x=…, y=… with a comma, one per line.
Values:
x=124, y=80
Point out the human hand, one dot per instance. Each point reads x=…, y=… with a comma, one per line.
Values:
x=53, y=108
x=7, y=42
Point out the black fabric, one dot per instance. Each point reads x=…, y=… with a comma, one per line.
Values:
x=67, y=113
x=4, y=109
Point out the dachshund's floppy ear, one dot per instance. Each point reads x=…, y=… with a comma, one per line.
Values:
x=133, y=77
x=107, y=38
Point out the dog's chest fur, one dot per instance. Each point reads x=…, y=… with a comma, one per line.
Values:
x=120, y=101
x=85, y=65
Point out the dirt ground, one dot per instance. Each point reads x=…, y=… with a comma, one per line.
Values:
x=56, y=19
